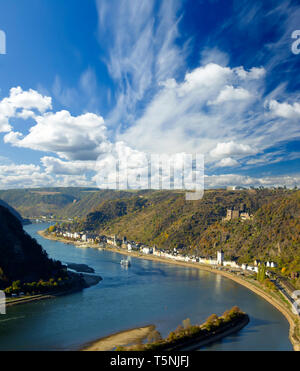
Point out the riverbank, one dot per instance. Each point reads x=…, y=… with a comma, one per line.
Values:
x=88, y=282
x=195, y=344
x=129, y=338
x=284, y=308
x=123, y=338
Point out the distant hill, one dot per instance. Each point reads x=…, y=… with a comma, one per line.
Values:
x=165, y=219
x=21, y=257
x=61, y=202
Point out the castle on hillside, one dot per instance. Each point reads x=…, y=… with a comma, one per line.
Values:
x=240, y=213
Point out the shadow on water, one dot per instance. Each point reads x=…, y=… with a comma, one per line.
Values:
x=260, y=322
x=156, y=272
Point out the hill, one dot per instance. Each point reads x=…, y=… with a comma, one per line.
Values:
x=168, y=221
x=62, y=203
x=14, y=212
x=21, y=257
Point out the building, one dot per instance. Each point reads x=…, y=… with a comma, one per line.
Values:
x=235, y=188
x=271, y=265
x=147, y=250
x=231, y=264
x=245, y=216
x=232, y=214
x=220, y=257
x=237, y=214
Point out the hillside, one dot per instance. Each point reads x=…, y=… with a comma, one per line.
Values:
x=273, y=233
x=168, y=221
x=14, y=212
x=21, y=257
x=61, y=202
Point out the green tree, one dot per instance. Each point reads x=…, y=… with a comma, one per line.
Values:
x=186, y=323
x=261, y=274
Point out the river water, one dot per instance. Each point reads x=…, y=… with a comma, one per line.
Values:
x=147, y=293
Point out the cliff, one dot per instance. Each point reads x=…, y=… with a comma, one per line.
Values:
x=21, y=257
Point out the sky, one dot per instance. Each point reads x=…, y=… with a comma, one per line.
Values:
x=83, y=83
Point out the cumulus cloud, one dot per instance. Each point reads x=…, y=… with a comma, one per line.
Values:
x=227, y=162
x=229, y=93
x=56, y=166
x=74, y=138
x=125, y=168
x=232, y=149
x=33, y=176
x=255, y=73
x=30, y=99
x=19, y=104
x=284, y=110
x=24, y=175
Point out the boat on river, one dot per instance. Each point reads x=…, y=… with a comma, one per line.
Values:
x=125, y=263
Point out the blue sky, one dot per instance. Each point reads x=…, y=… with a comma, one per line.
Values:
x=85, y=81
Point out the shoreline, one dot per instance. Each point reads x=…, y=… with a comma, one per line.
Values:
x=122, y=338
x=89, y=281
x=279, y=305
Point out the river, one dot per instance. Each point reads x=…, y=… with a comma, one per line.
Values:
x=147, y=293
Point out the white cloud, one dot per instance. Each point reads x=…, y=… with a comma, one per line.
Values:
x=19, y=104
x=12, y=137
x=214, y=55
x=56, y=166
x=223, y=180
x=181, y=118
x=75, y=138
x=25, y=114
x=229, y=93
x=255, y=73
x=30, y=99
x=284, y=110
x=32, y=176
x=232, y=149
x=24, y=175
x=227, y=162
x=142, y=50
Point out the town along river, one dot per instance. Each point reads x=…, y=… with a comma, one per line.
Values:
x=148, y=292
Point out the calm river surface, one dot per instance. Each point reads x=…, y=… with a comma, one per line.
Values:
x=147, y=293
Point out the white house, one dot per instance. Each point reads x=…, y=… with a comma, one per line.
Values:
x=271, y=264
x=220, y=257
x=147, y=250
x=231, y=264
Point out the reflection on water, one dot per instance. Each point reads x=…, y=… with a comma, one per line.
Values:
x=218, y=285
x=147, y=293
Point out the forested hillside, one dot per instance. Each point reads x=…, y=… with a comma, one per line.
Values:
x=14, y=212
x=21, y=257
x=59, y=202
x=167, y=220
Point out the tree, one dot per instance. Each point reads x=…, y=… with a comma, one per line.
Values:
x=186, y=323
x=154, y=337
x=52, y=228
x=261, y=274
